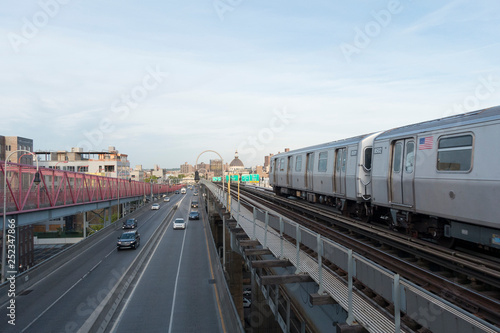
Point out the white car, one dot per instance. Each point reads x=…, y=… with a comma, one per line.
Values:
x=155, y=206
x=167, y=199
x=179, y=223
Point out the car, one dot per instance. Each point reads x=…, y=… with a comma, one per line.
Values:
x=130, y=224
x=194, y=203
x=246, y=302
x=155, y=206
x=247, y=292
x=194, y=216
x=179, y=223
x=166, y=199
x=177, y=192
x=129, y=239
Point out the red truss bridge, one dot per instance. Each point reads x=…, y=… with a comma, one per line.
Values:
x=61, y=189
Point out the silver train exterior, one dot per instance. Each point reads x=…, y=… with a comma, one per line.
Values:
x=438, y=179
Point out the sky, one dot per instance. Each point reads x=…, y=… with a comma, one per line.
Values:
x=165, y=81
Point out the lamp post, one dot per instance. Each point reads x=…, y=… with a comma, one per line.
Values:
x=82, y=166
x=55, y=166
x=221, y=164
x=19, y=159
x=36, y=181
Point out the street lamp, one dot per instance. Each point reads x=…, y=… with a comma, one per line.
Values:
x=221, y=165
x=36, y=180
x=82, y=166
x=55, y=166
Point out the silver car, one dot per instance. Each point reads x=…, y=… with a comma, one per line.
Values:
x=179, y=223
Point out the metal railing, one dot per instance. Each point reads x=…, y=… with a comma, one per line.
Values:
x=65, y=188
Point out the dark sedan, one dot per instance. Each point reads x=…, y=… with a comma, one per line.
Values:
x=129, y=239
x=130, y=224
x=194, y=216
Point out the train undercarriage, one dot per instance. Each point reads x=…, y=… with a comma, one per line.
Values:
x=442, y=231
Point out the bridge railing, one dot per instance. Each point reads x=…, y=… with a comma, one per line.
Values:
x=58, y=188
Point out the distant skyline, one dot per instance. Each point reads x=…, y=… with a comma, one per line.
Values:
x=164, y=81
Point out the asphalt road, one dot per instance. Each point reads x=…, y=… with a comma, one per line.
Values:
x=173, y=294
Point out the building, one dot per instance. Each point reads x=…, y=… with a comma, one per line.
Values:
x=216, y=167
x=159, y=173
x=10, y=144
x=267, y=162
x=186, y=168
x=203, y=167
x=137, y=174
x=2, y=148
x=103, y=163
x=236, y=165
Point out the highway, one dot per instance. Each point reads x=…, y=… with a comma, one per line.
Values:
x=172, y=294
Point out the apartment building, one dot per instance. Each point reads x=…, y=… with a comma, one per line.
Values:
x=108, y=163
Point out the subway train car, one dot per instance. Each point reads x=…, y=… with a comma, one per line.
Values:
x=335, y=173
x=437, y=180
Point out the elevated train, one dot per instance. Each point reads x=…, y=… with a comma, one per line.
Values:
x=437, y=180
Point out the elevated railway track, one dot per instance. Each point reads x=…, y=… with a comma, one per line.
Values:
x=468, y=280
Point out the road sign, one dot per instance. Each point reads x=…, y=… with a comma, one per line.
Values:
x=254, y=178
x=216, y=179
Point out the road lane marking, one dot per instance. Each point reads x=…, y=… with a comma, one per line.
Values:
x=176, y=281
x=117, y=321
x=51, y=305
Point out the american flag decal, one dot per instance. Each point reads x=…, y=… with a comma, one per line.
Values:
x=425, y=143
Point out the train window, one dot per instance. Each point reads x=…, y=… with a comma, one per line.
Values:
x=368, y=158
x=396, y=163
x=298, y=163
x=282, y=164
x=310, y=162
x=344, y=159
x=455, y=153
x=338, y=163
x=322, y=163
x=410, y=156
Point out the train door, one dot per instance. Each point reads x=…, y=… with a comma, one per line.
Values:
x=340, y=166
x=309, y=170
x=289, y=170
x=274, y=168
x=402, y=173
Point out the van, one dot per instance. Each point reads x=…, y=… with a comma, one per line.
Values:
x=183, y=190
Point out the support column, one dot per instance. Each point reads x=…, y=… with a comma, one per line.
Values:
x=261, y=317
x=84, y=224
x=234, y=269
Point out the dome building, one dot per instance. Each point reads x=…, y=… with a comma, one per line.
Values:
x=236, y=164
